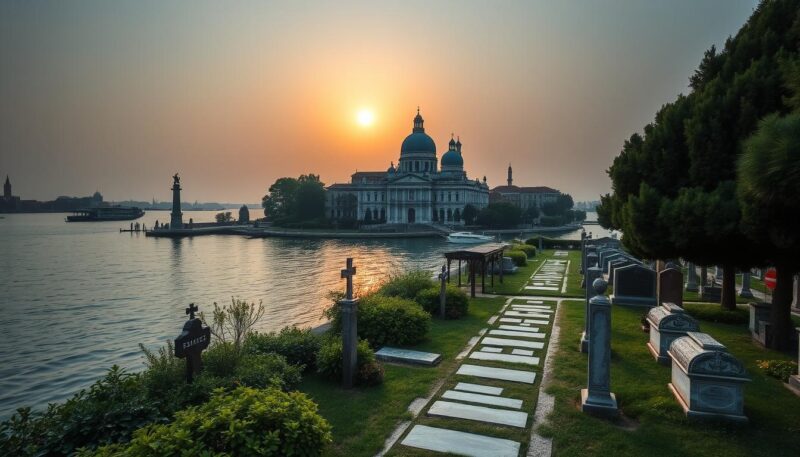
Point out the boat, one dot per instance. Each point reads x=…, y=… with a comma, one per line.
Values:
x=468, y=238
x=106, y=213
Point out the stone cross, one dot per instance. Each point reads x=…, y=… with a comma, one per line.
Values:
x=349, y=307
x=597, y=398
x=592, y=273
x=191, y=342
x=691, y=277
x=745, y=290
x=443, y=291
x=191, y=310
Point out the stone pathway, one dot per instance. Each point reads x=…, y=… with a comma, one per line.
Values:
x=506, y=354
x=550, y=276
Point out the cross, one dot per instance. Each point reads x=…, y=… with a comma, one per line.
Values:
x=191, y=310
x=443, y=274
x=348, y=273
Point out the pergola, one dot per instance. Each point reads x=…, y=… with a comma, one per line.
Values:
x=477, y=257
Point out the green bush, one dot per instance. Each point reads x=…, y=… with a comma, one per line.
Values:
x=108, y=412
x=407, y=285
x=778, y=369
x=518, y=257
x=456, y=301
x=529, y=250
x=221, y=359
x=266, y=370
x=300, y=347
x=329, y=363
x=245, y=422
x=715, y=313
x=391, y=321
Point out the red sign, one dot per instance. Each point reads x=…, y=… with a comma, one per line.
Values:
x=770, y=278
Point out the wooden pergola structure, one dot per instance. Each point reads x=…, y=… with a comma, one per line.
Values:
x=477, y=259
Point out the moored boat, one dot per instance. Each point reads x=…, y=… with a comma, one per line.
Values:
x=468, y=238
x=106, y=213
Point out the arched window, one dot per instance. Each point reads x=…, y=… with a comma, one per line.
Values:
x=449, y=196
x=375, y=214
x=441, y=215
x=457, y=215
x=457, y=195
x=449, y=214
x=383, y=214
x=368, y=215
x=435, y=216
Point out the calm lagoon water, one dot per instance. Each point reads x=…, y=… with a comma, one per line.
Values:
x=78, y=298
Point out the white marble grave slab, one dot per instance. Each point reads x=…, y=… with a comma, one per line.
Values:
x=503, y=374
x=535, y=321
x=540, y=288
x=514, y=343
x=485, y=399
x=461, y=443
x=535, y=302
x=522, y=352
x=479, y=388
x=389, y=354
x=491, y=349
x=512, y=320
x=528, y=310
x=535, y=335
x=518, y=328
x=479, y=413
x=527, y=360
x=522, y=314
x=526, y=325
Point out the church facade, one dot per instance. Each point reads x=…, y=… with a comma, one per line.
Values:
x=421, y=189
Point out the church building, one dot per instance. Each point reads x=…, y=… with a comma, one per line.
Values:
x=421, y=189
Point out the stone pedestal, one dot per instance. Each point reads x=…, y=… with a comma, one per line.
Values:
x=794, y=380
x=691, y=277
x=745, y=290
x=592, y=273
x=597, y=398
x=349, y=310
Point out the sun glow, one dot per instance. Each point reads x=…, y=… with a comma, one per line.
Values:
x=365, y=117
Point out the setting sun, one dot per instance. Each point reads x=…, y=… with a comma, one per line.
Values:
x=365, y=117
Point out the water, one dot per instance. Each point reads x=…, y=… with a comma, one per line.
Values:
x=78, y=298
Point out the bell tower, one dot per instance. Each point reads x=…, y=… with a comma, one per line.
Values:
x=510, y=179
x=7, y=189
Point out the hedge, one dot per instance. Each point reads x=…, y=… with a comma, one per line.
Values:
x=330, y=359
x=456, y=301
x=529, y=250
x=392, y=321
x=553, y=243
x=300, y=347
x=519, y=257
x=407, y=285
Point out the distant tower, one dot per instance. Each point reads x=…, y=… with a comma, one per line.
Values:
x=176, y=222
x=7, y=189
x=510, y=180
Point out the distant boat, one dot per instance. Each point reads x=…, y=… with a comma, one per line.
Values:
x=106, y=213
x=468, y=238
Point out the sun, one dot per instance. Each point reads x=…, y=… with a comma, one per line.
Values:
x=365, y=117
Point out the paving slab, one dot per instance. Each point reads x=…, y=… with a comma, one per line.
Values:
x=511, y=342
x=493, y=400
x=534, y=302
x=519, y=328
x=503, y=374
x=526, y=325
x=389, y=354
x=461, y=443
x=513, y=320
x=535, y=321
x=536, y=335
x=521, y=352
x=479, y=388
x=540, y=288
x=531, y=310
x=524, y=314
x=527, y=360
x=491, y=349
x=478, y=413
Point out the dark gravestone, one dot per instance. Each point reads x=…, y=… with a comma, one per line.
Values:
x=670, y=286
x=191, y=342
x=616, y=264
x=349, y=307
x=634, y=285
x=711, y=294
x=443, y=291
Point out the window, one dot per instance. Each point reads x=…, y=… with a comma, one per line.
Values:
x=457, y=195
x=449, y=198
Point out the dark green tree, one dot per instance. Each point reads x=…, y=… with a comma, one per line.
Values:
x=500, y=215
x=470, y=214
x=279, y=202
x=295, y=200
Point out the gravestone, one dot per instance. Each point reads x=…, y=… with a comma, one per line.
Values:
x=794, y=380
x=591, y=260
x=634, y=285
x=691, y=277
x=796, y=290
x=618, y=263
x=703, y=276
x=670, y=285
x=591, y=274
x=759, y=322
x=443, y=291
x=745, y=290
x=349, y=309
x=667, y=323
x=711, y=294
x=597, y=398
x=191, y=342
x=707, y=380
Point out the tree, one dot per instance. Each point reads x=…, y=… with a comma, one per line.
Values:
x=223, y=217
x=531, y=214
x=769, y=182
x=470, y=214
x=500, y=215
x=295, y=200
x=279, y=202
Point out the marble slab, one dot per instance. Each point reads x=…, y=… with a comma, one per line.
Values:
x=513, y=320
x=478, y=413
x=524, y=314
x=503, y=374
x=519, y=328
x=522, y=352
x=479, y=388
x=529, y=310
x=485, y=399
x=535, y=321
x=534, y=302
x=389, y=354
x=491, y=349
x=527, y=360
x=460, y=443
x=514, y=343
x=535, y=335
x=540, y=288
x=526, y=325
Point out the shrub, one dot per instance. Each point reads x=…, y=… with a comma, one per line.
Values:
x=245, y=422
x=300, y=347
x=391, y=321
x=266, y=370
x=529, y=250
x=456, y=301
x=714, y=313
x=407, y=285
x=330, y=359
x=553, y=243
x=778, y=369
x=231, y=323
x=220, y=359
x=519, y=257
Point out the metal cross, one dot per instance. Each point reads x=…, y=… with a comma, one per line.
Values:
x=191, y=310
x=348, y=273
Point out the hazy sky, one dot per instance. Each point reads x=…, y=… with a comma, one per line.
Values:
x=117, y=97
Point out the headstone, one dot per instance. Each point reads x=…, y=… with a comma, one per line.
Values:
x=707, y=380
x=712, y=294
x=460, y=443
x=691, y=277
x=634, y=285
x=703, y=276
x=591, y=274
x=667, y=323
x=503, y=332
x=597, y=398
x=591, y=260
x=617, y=263
x=349, y=309
x=191, y=342
x=510, y=358
x=794, y=380
x=389, y=354
x=718, y=273
x=670, y=285
x=443, y=291
x=489, y=341
x=796, y=289
x=759, y=312
x=745, y=290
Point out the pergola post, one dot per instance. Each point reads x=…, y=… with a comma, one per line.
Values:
x=483, y=275
x=459, y=272
x=471, y=265
x=501, y=267
x=448, y=271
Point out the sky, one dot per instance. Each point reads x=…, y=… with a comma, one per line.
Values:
x=118, y=96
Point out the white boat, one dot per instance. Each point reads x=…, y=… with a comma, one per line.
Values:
x=468, y=238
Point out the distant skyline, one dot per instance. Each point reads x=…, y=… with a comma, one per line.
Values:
x=117, y=97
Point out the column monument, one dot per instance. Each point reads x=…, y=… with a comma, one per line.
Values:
x=176, y=221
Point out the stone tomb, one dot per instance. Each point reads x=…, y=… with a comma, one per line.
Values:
x=707, y=380
x=667, y=323
x=634, y=285
x=388, y=354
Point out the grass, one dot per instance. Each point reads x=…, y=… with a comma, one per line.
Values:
x=755, y=285
x=526, y=392
x=363, y=418
x=654, y=424
x=513, y=284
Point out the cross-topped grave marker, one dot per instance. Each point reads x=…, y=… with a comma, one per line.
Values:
x=349, y=306
x=443, y=276
x=191, y=310
x=191, y=342
x=348, y=273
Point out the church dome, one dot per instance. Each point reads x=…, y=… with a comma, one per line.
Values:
x=452, y=159
x=418, y=141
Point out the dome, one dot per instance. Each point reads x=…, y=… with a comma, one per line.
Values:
x=418, y=142
x=452, y=159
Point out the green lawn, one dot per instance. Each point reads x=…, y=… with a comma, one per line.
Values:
x=363, y=418
x=513, y=284
x=654, y=424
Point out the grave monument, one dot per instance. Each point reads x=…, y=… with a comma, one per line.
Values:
x=597, y=398
x=191, y=342
x=349, y=309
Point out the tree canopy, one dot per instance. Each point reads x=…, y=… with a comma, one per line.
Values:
x=299, y=199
